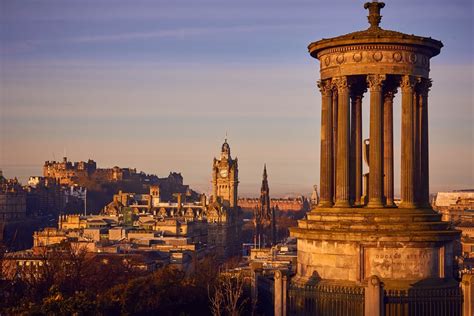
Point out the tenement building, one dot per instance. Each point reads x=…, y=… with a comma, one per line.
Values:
x=404, y=254
x=12, y=201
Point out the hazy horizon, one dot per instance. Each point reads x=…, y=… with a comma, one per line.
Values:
x=155, y=85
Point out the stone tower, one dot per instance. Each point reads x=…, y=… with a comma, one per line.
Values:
x=225, y=177
x=223, y=214
x=264, y=216
x=345, y=240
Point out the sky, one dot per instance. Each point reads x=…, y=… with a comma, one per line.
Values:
x=156, y=85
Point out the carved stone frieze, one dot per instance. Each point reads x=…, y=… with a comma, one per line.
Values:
x=389, y=59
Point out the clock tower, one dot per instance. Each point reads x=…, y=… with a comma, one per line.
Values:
x=225, y=178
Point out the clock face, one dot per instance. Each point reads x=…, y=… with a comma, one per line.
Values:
x=223, y=173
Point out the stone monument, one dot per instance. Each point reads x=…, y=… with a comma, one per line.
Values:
x=345, y=240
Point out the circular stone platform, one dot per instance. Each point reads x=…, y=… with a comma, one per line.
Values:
x=401, y=246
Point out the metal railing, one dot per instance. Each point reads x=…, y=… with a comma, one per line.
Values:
x=433, y=302
x=330, y=300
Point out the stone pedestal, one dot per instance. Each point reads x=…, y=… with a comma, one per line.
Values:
x=348, y=246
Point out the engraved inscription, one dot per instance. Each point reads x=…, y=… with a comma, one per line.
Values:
x=403, y=263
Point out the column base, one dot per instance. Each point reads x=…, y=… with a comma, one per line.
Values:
x=408, y=205
x=390, y=204
x=375, y=204
x=325, y=204
x=344, y=204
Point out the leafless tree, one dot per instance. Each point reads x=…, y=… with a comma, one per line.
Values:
x=216, y=299
x=228, y=293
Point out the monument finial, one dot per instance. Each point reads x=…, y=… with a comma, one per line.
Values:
x=374, y=16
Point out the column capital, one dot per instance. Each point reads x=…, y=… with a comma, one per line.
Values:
x=358, y=88
x=325, y=87
x=341, y=83
x=423, y=85
x=375, y=82
x=389, y=91
x=407, y=83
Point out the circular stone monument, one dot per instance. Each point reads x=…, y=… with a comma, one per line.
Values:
x=357, y=230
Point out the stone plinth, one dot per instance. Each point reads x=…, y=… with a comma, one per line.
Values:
x=401, y=247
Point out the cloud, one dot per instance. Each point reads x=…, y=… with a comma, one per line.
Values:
x=184, y=32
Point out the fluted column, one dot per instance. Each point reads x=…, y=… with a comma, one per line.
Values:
x=416, y=143
x=407, y=85
x=424, y=185
x=326, y=161
x=356, y=144
x=376, y=146
x=342, y=162
x=389, y=94
x=334, y=137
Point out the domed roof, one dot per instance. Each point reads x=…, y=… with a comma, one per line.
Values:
x=376, y=35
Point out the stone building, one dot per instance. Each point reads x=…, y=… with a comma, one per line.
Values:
x=12, y=200
x=456, y=206
x=223, y=214
x=345, y=242
x=69, y=173
x=264, y=216
x=288, y=204
x=44, y=196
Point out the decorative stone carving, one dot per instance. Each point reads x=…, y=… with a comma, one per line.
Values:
x=389, y=58
x=397, y=56
x=412, y=58
x=423, y=86
x=375, y=82
x=377, y=56
x=340, y=59
x=327, y=60
x=407, y=83
x=341, y=83
x=357, y=57
x=325, y=87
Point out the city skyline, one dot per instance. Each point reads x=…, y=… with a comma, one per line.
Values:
x=156, y=86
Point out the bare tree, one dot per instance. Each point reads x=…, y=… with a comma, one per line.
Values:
x=228, y=293
x=216, y=300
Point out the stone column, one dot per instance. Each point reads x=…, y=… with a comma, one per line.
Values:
x=423, y=152
x=408, y=146
x=389, y=94
x=376, y=145
x=326, y=161
x=374, y=301
x=278, y=293
x=356, y=145
x=334, y=138
x=342, y=162
x=467, y=285
x=416, y=144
